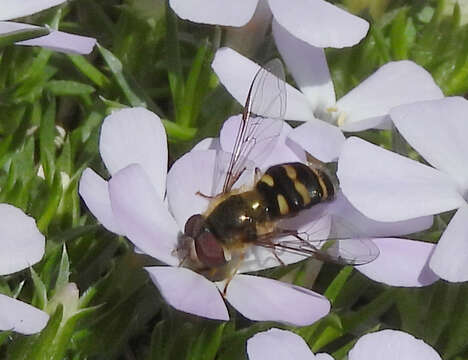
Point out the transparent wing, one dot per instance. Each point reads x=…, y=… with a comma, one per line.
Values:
x=352, y=251
x=244, y=176
x=333, y=241
x=259, y=126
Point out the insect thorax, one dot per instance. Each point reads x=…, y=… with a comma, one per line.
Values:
x=235, y=219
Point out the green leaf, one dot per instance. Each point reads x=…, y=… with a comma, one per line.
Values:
x=87, y=296
x=65, y=160
x=178, y=132
x=233, y=346
x=16, y=36
x=398, y=36
x=162, y=341
x=4, y=287
x=455, y=333
x=44, y=347
x=89, y=70
x=381, y=43
x=343, y=351
x=53, y=201
x=64, y=335
x=327, y=330
x=46, y=141
x=38, y=64
x=186, y=115
x=338, y=283
x=116, y=68
x=414, y=306
x=64, y=271
x=440, y=311
x=4, y=335
x=173, y=63
x=68, y=88
x=73, y=233
x=40, y=294
x=207, y=343
x=367, y=313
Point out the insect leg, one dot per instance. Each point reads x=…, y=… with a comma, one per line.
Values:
x=210, y=197
x=231, y=276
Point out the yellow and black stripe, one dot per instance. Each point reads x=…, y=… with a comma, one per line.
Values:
x=291, y=187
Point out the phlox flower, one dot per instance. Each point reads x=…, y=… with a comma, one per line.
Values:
x=151, y=210
x=401, y=262
x=366, y=106
x=56, y=40
x=389, y=187
x=383, y=345
x=316, y=22
x=22, y=245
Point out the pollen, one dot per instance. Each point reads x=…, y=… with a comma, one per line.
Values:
x=341, y=119
x=282, y=204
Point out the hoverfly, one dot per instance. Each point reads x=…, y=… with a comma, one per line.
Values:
x=215, y=243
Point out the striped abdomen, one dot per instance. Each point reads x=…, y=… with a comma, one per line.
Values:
x=292, y=187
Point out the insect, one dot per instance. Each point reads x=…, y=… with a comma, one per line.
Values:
x=215, y=243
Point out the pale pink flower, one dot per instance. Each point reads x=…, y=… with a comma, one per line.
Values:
x=56, y=40
x=21, y=246
x=316, y=22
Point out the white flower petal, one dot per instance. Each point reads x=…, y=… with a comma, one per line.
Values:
x=285, y=150
x=21, y=243
x=191, y=173
x=349, y=222
x=275, y=301
x=188, y=291
x=56, y=40
x=208, y=143
x=279, y=345
x=391, y=345
x=401, y=262
x=142, y=215
x=320, y=139
x=319, y=23
x=323, y=356
x=395, y=83
x=385, y=186
x=95, y=193
x=436, y=130
x=308, y=65
x=15, y=9
x=215, y=12
x=236, y=73
x=135, y=136
x=451, y=254
x=21, y=317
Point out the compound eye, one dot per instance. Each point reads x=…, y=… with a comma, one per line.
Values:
x=209, y=251
x=194, y=225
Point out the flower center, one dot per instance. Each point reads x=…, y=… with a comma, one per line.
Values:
x=331, y=115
